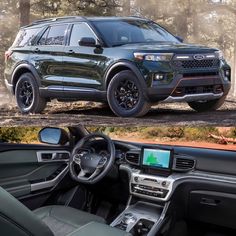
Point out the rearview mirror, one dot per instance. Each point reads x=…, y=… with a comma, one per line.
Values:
x=53, y=136
x=180, y=38
x=88, y=42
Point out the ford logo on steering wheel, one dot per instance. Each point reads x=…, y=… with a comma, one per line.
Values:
x=199, y=57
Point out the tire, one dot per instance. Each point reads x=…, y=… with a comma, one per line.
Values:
x=27, y=95
x=211, y=105
x=125, y=95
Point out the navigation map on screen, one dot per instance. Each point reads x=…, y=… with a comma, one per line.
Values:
x=156, y=158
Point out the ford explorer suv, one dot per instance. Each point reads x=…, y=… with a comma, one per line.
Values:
x=128, y=62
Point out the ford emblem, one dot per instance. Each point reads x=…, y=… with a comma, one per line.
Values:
x=199, y=57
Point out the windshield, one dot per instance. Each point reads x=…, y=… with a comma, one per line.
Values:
x=120, y=32
x=199, y=137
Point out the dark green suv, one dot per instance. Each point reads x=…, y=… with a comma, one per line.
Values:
x=130, y=62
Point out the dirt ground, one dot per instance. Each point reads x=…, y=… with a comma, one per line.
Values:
x=93, y=114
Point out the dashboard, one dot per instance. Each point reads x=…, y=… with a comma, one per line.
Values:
x=155, y=171
x=193, y=180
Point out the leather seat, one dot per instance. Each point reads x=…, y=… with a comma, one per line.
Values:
x=64, y=220
x=18, y=220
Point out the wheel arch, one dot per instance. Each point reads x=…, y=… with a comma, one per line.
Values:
x=121, y=66
x=20, y=70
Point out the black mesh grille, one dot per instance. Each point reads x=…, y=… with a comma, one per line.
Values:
x=192, y=64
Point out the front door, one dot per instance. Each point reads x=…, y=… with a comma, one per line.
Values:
x=82, y=65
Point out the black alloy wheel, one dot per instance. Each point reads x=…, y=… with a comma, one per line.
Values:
x=125, y=95
x=27, y=95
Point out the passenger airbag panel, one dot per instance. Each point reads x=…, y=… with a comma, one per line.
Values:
x=213, y=207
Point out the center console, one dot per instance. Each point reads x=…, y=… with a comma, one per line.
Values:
x=150, y=186
x=141, y=218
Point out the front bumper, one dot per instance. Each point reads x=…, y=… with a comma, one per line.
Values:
x=194, y=97
x=186, y=80
x=190, y=89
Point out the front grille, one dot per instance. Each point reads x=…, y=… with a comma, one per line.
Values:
x=196, y=64
x=203, y=74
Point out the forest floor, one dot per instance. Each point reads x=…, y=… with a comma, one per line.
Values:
x=95, y=114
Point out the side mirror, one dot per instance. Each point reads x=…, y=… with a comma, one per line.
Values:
x=53, y=136
x=88, y=42
x=180, y=38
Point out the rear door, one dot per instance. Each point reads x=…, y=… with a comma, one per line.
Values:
x=32, y=173
x=47, y=56
x=82, y=64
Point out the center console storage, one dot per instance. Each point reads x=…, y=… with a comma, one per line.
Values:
x=141, y=219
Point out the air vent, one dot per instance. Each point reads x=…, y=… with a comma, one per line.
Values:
x=133, y=158
x=184, y=164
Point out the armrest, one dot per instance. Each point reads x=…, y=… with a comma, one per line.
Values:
x=98, y=229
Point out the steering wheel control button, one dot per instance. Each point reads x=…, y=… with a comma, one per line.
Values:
x=77, y=159
x=102, y=162
x=136, y=179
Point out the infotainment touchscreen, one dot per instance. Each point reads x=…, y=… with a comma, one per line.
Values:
x=156, y=158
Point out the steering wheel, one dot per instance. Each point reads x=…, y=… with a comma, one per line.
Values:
x=89, y=167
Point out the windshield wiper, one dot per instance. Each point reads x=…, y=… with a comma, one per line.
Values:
x=119, y=44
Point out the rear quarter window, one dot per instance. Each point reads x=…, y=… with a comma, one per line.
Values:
x=25, y=36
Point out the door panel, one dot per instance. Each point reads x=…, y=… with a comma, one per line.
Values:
x=47, y=56
x=29, y=169
x=82, y=65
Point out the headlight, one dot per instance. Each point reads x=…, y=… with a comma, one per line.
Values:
x=220, y=55
x=153, y=56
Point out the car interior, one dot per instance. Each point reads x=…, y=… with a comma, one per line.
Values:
x=77, y=183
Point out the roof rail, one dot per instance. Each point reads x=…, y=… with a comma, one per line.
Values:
x=57, y=19
x=137, y=17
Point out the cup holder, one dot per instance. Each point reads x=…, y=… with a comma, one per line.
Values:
x=142, y=227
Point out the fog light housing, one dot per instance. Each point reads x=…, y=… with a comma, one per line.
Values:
x=227, y=75
x=159, y=77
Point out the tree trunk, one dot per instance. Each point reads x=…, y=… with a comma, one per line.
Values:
x=24, y=11
x=126, y=7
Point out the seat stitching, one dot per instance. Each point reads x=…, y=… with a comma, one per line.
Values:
x=61, y=220
x=16, y=224
x=64, y=221
x=81, y=228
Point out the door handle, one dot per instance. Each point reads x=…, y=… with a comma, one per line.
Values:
x=209, y=202
x=71, y=51
x=36, y=50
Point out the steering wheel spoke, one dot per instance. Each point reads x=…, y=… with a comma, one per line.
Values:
x=81, y=173
x=94, y=174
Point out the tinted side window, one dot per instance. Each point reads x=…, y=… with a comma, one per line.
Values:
x=79, y=31
x=25, y=36
x=55, y=35
x=42, y=40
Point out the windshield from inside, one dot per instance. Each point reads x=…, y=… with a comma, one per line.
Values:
x=120, y=32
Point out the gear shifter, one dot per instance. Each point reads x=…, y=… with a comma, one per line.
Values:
x=129, y=218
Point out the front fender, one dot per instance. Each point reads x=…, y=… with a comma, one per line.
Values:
x=122, y=65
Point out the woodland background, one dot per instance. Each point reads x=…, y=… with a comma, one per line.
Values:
x=208, y=22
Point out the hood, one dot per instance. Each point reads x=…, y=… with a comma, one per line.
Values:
x=169, y=47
